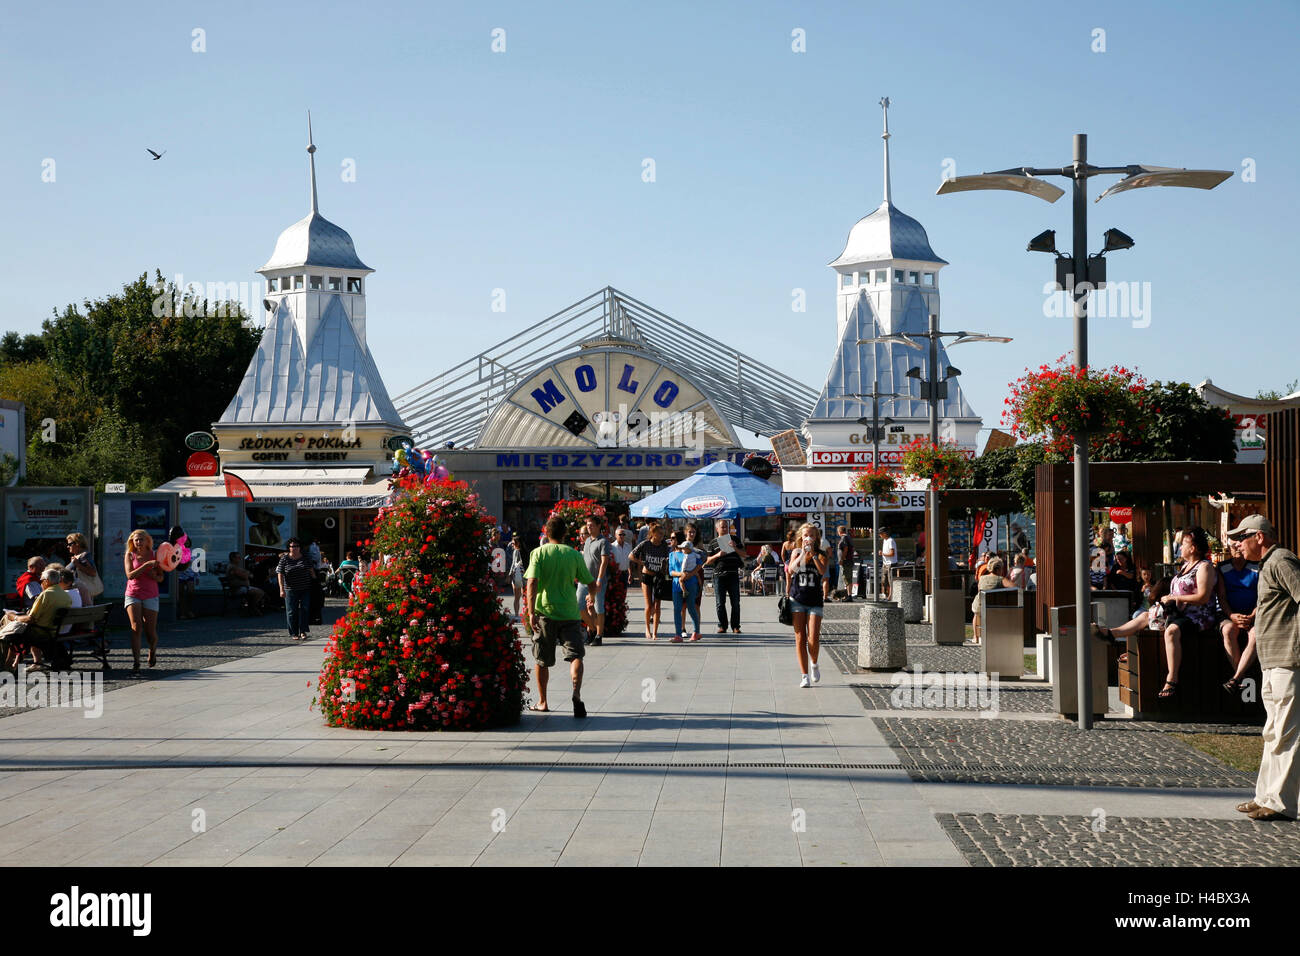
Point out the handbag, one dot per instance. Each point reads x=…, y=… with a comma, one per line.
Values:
x=784, y=611
x=93, y=583
x=663, y=588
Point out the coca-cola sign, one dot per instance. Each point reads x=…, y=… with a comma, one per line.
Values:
x=201, y=464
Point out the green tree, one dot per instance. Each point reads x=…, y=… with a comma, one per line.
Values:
x=124, y=378
x=16, y=349
x=164, y=360
x=1011, y=468
x=112, y=449
x=1176, y=424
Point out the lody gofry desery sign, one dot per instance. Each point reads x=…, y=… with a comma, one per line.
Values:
x=817, y=501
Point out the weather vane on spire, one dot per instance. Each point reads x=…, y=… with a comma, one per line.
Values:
x=884, y=105
x=311, y=153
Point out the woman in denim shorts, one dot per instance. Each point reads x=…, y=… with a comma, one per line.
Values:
x=806, y=568
x=142, y=577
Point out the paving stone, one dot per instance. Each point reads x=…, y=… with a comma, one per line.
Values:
x=999, y=839
x=1050, y=753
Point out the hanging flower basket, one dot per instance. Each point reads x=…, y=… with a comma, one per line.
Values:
x=941, y=463
x=1058, y=402
x=876, y=481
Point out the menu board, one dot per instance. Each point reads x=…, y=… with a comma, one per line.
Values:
x=788, y=449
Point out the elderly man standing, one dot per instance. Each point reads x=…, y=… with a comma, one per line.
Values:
x=1277, y=643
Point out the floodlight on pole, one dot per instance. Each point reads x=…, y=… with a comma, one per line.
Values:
x=1116, y=240
x=1045, y=241
x=1084, y=272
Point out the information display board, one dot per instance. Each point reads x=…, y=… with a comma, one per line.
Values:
x=119, y=515
x=37, y=522
x=216, y=526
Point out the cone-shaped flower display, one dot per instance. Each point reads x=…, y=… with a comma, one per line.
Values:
x=424, y=644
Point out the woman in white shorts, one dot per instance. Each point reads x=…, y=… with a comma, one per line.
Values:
x=142, y=577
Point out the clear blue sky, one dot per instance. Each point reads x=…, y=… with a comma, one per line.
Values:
x=522, y=170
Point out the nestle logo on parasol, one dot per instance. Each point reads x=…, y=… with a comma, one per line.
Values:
x=705, y=507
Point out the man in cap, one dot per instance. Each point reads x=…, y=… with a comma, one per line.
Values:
x=1277, y=643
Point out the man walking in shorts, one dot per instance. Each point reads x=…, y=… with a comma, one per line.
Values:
x=551, y=610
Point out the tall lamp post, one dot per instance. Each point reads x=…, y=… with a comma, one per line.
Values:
x=933, y=390
x=1078, y=274
x=875, y=423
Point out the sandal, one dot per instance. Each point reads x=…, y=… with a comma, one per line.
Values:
x=1169, y=690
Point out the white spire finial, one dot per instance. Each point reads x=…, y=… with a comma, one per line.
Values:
x=311, y=153
x=884, y=105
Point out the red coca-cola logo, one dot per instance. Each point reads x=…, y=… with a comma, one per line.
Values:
x=201, y=464
x=1121, y=515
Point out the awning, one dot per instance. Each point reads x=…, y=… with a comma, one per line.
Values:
x=303, y=476
x=341, y=489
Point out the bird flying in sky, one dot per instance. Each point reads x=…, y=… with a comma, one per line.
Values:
x=156, y=156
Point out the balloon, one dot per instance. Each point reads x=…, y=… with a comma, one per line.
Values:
x=441, y=472
x=167, y=556
x=183, y=548
x=400, y=456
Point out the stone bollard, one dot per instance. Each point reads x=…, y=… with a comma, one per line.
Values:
x=910, y=596
x=882, y=639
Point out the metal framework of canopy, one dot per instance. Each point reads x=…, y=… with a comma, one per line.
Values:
x=454, y=406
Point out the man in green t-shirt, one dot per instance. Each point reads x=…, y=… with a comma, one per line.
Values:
x=551, y=611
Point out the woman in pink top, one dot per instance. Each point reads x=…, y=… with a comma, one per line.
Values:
x=142, y=577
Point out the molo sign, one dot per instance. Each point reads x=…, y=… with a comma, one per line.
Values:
x=608, y=397
x=585, y=379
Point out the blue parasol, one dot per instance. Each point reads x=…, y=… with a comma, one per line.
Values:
x=720, y=490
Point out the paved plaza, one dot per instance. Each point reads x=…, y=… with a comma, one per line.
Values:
x=694, y=754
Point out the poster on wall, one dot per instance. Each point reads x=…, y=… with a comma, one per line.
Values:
x=268, y=525
x=37, y=522
x=214, y=525
x=119, y=515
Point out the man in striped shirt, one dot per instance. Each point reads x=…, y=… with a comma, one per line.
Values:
x=296, y=573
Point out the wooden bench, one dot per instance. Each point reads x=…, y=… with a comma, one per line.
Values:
x=89, y=629
x=1204, y=668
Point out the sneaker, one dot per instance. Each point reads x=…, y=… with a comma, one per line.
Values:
x=816, y=672
x=803, y=681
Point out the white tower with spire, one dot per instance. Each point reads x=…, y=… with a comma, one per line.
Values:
x=887, y=283
x=313, y=264
x=887, y=255
x=312, y=369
